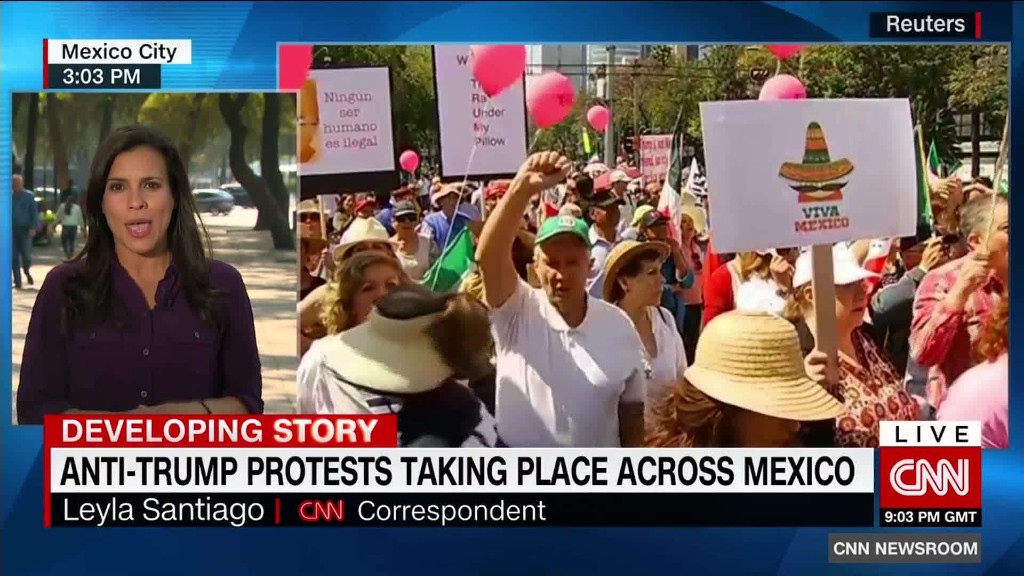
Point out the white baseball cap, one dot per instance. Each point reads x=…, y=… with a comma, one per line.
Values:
x=845, y=268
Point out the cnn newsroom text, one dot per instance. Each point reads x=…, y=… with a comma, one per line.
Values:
x=160, y=471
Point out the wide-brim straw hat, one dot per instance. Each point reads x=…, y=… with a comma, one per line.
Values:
x=817, y=166
x=362, y=230
x=387, y=355
x=752, y=360
x=698, y=216
x=622, y=254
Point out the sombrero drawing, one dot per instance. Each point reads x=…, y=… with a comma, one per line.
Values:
x=818, y=178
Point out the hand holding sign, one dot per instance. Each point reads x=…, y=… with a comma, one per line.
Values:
x=549, y=99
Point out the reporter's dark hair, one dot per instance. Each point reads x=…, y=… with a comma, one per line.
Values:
x=89, y=293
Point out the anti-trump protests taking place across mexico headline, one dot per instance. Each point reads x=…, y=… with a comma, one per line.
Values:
x=344, y=471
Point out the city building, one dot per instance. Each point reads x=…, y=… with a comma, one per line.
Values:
x=569, y=60
x=691, y=51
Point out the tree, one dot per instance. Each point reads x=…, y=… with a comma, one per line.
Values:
x=31, y=136
x=926, y=74
x=192, y=120
x=567, y=135
x=231, y=107
x=270, y=159
x=54, y=122
x=979, y=82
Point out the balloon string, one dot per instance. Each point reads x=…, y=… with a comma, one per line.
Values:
x=462, y=187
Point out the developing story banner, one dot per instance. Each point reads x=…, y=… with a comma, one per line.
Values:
x=466, y=117
x=805, y=172
x=345, y=131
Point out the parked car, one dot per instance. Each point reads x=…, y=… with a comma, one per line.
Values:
x=240, y=195
x=213, y=201
x=47, y=227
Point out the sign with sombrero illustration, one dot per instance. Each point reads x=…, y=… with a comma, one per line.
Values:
x=809, y=172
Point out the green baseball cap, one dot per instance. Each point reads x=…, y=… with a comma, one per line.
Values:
x=559, y=225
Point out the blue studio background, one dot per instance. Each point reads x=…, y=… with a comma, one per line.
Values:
x=234, y=48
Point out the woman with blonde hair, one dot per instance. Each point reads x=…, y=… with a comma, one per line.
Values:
x=407, y=359
x=747, y=388
x=868, y=385
x=751, y=281
x=982, y=393
x=356, y=287
x=366, y=235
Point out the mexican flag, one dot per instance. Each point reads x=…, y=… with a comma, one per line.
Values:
x=670, y=202
x=934, y=160
x=454, y=264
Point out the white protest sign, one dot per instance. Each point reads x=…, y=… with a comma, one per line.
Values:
x=655, y=155
x=466, y=117
x=806, y=172
x=353, y=120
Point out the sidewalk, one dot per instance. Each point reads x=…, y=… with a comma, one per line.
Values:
x=270, y=277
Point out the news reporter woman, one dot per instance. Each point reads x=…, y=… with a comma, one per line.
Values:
x=142, y=320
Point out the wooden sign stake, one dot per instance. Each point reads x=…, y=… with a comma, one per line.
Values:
x=823, y=283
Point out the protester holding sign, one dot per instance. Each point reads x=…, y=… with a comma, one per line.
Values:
x=869, y=386
x=570, y=370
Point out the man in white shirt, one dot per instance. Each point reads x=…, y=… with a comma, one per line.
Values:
x=569, y=366
x=604, y=209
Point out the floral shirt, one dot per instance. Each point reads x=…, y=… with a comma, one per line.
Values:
x=872, y=391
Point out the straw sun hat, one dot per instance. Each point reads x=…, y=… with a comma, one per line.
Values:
x=621, y=255
x=388, y=354
x=362, y=230
x=752, y=361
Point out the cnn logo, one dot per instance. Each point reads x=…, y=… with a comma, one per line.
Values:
x=933, y=478
x=322, y=510
x=910, y=477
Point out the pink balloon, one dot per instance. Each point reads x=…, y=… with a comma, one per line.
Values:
x=783, y=87
x=497, y=67
x=785, y=51
x=409, y=160
x=598, y=117
x=549, y=99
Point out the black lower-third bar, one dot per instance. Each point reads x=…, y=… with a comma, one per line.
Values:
x=929, y=518
x=556, y=510
x=102, y=76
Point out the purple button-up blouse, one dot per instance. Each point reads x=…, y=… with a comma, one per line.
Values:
x=166, y=354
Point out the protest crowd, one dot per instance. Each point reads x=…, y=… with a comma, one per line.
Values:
x=581, y=304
